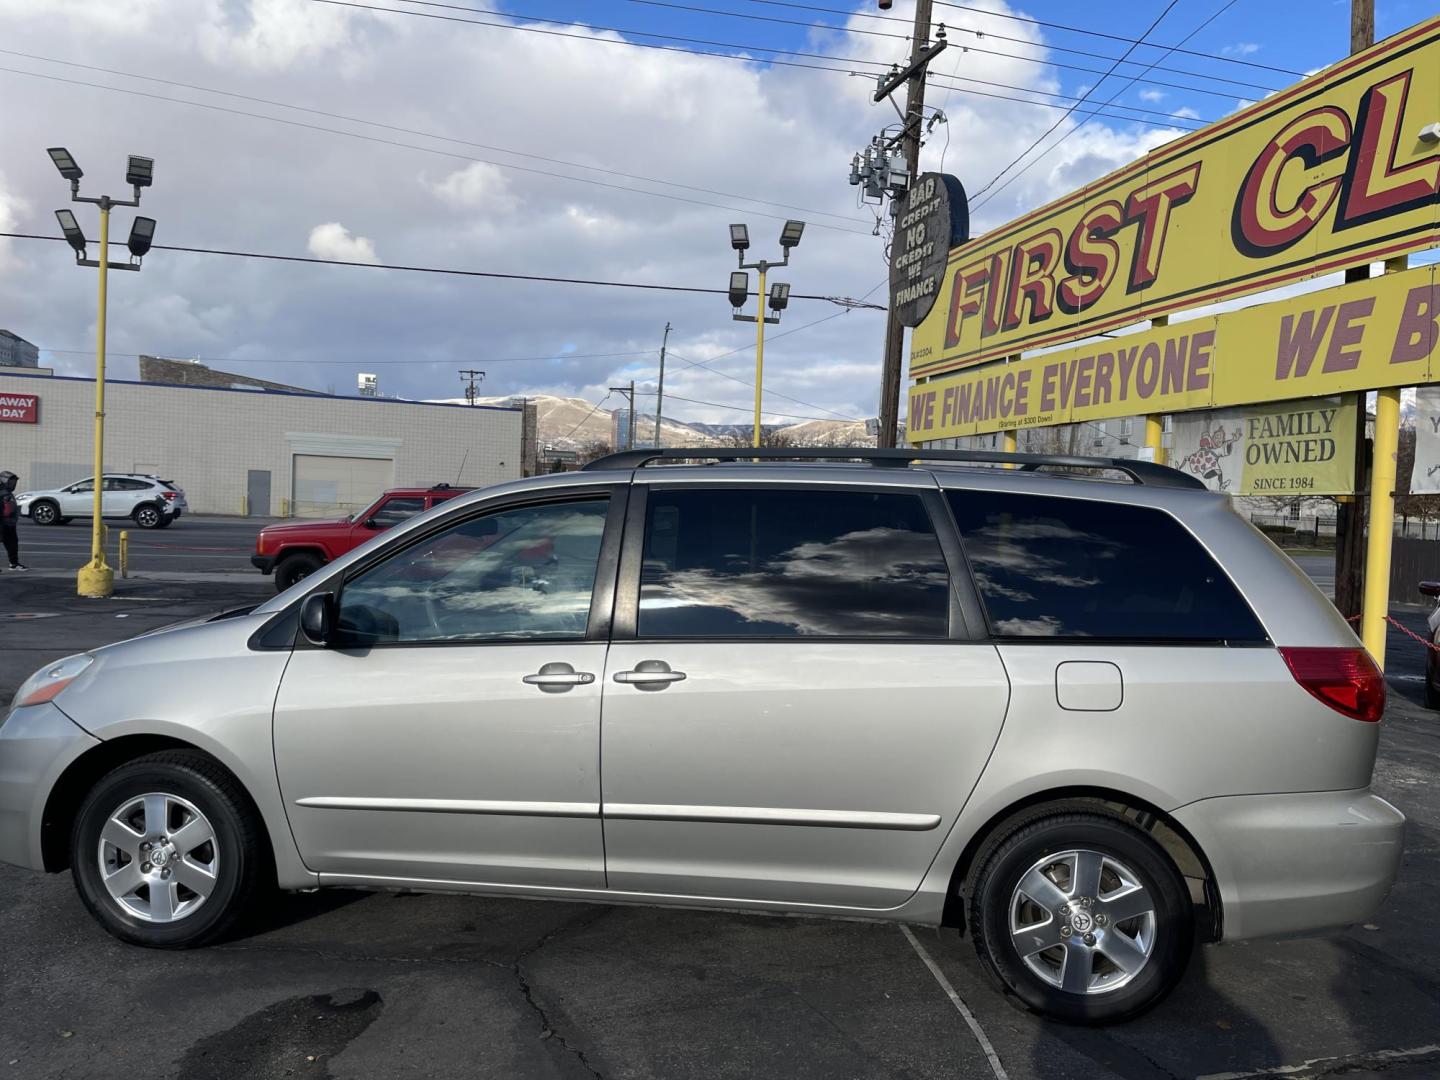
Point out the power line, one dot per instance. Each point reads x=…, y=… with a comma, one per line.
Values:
x=749, y=383
x=672, y=48
x=978, y=34
x=591, y=413
x=421, y=134
x=991, y=182
x=1220, y=11
x=950, y=27
x=229, y=361
x=736, y=408
x=1112, y=37
x=450, y=271
x=412, y=146
x=1018, y=18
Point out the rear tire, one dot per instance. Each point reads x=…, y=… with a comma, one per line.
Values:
x=148, y=517
x=1082, y=917
x=45, y=513
x=293, y=568
x=167, y=853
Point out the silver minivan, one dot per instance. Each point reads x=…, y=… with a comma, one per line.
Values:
x=1077, y=708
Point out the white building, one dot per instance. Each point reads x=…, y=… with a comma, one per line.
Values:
x=261, y=452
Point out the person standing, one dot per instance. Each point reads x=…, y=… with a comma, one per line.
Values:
x=10, y=520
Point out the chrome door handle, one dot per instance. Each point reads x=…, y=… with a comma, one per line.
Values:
x=558, y=677
x=650, y=675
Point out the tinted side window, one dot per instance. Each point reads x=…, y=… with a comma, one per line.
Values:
x=393, y=511
x=521, y=574
x=788, y=563
x=1072, y=568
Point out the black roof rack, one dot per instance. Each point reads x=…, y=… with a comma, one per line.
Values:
x=1141, y=472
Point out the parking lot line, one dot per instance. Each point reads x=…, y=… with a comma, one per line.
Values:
x=959, y=1003
x=1376, y=1060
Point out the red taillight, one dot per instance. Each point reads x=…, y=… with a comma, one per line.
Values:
x=170, y=494
x=1345, y=679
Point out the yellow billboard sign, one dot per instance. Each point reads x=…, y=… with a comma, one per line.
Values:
x=1283, y=448
x=1332, y=172
x=1360, y=336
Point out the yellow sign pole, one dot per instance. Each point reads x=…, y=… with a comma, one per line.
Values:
x=759, y=353
x=1382, y=523
x=95, y=578
x=1154, y=432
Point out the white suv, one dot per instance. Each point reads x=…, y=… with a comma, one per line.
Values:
x=150, y=502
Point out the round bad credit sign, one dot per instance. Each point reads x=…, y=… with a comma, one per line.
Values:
x=934, y=217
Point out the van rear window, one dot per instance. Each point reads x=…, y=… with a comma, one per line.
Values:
x=1075, y=568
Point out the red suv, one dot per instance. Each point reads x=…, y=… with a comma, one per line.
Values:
x=297, y=549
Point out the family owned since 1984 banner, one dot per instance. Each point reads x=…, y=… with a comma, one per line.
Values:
x=1283, y=448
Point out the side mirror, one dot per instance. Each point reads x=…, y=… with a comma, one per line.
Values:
x=372, y=523
x=1430, y=588
x=317, y=618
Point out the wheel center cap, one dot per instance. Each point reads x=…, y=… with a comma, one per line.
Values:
x=1082, y=920
x=159, y=856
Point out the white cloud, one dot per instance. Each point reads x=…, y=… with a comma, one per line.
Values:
x=1152, y=95
x=333, y=241
x=1241, y=48
x=1187, y=112
x=731, y=133
x=479, y=186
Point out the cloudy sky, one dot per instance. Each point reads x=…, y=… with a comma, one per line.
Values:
x=477, y=136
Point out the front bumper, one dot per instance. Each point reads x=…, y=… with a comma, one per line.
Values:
x=1287, y=864
x=37, y=744
x=263, y=563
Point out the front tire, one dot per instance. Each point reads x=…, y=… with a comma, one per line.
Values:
x=1082, y=917
x=45, y=513
x=166, y=851
x=148, y=517
x=294, y=567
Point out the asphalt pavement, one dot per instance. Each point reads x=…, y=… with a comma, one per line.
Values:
x=358, y=985
x=192, y=544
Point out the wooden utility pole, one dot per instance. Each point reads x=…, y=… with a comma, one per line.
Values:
x=894, y=368
x=660, y=390
x=1350, y=514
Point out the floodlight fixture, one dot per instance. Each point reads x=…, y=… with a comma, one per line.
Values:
x=74, y=236
x=142, y=234
x=791, y=233
x=140, y=172
x=779, y=296
x=65, y=163
x=739, y=237
x=739, y=287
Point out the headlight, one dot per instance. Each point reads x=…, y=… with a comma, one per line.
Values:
x=46, y=683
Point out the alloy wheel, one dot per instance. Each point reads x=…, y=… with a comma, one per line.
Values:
x=158, y=857
x=1082, y=921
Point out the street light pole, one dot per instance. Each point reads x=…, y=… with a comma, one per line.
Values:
x=759, y=354
x=96, y=578
x=778, y=297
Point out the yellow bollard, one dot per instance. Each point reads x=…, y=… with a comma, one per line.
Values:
x=124, y=553
x=244, y=505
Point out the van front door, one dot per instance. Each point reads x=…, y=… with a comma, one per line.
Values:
x=453, y=733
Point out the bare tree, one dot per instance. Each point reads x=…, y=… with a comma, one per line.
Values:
x=776, y=440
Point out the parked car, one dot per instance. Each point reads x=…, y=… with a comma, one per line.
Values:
x=296, y=549
x=1085, y=721
x=152, y=503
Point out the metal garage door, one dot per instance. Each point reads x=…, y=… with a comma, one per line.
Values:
x=335, y=486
